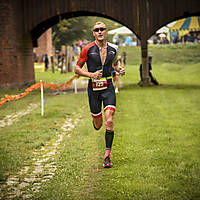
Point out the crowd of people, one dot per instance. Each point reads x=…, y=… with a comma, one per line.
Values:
x=192, y=37
x=127, y=40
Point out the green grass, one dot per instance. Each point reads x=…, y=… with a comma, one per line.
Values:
x=173, y=54
x=156, y=146
x=55, y=78
x=32, y=131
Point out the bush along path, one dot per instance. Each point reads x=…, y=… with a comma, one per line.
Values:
x=42, y=169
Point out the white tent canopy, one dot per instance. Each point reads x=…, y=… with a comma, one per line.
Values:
x=121, y=31
x=165, y=29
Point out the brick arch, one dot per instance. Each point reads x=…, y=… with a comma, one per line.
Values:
x=22, y=21
x=142, y=17
x=38, y=30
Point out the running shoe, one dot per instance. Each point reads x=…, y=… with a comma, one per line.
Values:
x=107, y=162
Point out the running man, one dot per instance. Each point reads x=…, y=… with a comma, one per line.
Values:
x=100, y=56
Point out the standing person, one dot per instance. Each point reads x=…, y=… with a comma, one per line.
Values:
x=124, y=57
x=46, y=61
x=100, y=56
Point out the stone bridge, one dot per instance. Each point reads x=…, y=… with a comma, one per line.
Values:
x=23, y=21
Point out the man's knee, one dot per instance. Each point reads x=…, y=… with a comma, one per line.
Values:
x=109, y=122
x=97, y=123
x=109, y=115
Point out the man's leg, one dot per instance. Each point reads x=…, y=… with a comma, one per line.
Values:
x=97, y=122
x=109, y=135
x=109, y=102
x=95, y=108
x=109, y=116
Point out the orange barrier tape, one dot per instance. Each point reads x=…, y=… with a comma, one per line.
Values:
x=36, y=86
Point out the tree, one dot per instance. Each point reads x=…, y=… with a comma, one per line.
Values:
x=70, y=31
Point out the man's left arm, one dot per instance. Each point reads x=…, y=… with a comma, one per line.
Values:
x=119, y=68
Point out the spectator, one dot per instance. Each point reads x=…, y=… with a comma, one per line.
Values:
x=45, y=59
x=124, y=58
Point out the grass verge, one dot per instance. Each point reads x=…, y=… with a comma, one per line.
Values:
x=156, y=147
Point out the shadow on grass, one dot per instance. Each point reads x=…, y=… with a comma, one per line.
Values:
x=162, y=86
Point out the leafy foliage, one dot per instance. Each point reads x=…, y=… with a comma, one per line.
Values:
x=69, y=31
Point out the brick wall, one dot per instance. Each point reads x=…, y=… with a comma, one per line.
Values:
x=16, y=57
x=44, y=45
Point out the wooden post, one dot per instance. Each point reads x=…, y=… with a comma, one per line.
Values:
x=52, y=64
x=62, y=63
x=66, y=60
x=64, y=57
x=42, y=98
x=70, y=49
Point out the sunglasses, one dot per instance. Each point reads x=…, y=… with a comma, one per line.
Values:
x=99, y=29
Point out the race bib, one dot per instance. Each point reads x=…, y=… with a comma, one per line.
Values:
x=99, y=84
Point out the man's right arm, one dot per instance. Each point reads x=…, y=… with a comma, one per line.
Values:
x=79, y=67
x=78, y=70
x=96, y=75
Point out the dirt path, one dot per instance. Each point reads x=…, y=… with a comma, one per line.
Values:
x=42, y=168
x=9, y=119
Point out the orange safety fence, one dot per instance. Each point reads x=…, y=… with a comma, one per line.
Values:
x=35, y=87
